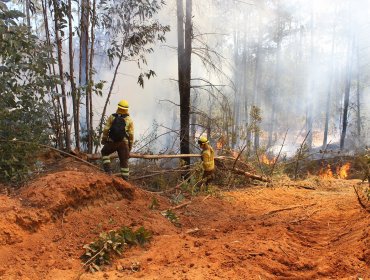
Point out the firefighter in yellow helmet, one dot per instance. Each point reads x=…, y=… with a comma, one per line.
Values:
x=118, y=136
x=208, y=158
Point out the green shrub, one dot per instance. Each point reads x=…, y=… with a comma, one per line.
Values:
x=25, y=83
x=100, y=252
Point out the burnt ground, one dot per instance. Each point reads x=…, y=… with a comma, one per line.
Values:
x=313, y=229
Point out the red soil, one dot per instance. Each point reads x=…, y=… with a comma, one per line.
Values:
x=284, y=232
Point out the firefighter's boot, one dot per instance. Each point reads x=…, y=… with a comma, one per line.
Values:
x=107, y=168
x=106, y=164
x=125, y=173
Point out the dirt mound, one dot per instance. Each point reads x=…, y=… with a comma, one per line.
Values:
x=45, y=225
x=74, y=189
x=296, y=230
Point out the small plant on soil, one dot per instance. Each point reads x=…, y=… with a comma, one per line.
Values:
x=111, y=221
x=177, y=198
x=112, y=243
x=212, y=190
x=186, y=187
x=367, y=193
x=171, y=216
x=154, y=204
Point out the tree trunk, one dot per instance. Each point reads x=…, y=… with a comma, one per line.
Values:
x=358, y=92
x=247, y=69
x=276, y=90
x=257, y=77
x=90, y=78
x=57, y=108
x=245, y=92
x=347, y=91
x=298, y=83
x=72, y=77
x=184, y=72
x=330, y=88
x=310, y=103
x=84, y=70
x=193, y=117
x=237, y=89
x=28, y=13
x=67, y=135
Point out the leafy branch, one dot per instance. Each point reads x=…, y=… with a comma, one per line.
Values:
x=100, y=252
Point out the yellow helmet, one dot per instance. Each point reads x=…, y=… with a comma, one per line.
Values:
x=202, y=140
x=123, y=104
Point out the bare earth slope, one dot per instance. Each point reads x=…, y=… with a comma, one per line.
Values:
x=284, y=232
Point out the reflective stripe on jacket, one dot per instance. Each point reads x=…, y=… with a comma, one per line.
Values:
x=208, y=158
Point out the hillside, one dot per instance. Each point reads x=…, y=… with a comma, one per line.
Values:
x=287, y=231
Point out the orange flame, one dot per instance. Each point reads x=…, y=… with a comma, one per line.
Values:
x=219, y=145
x=342, y=171
x=266, y=160
x=326, y=173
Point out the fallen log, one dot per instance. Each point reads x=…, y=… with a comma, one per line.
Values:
x=98, y=156
x=248, y=175
x=93, y=157
x=160, y=156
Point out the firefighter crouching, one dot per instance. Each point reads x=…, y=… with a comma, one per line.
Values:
x=208, y=158
x=118, y=135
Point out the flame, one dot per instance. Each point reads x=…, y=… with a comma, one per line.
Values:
x=342, y=171
x=326, y=173
x=219, y=145
x=266, y=160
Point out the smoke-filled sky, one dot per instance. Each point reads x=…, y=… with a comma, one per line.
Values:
x=314, y=58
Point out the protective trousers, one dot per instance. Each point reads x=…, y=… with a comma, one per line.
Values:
x=208, y=176
x=123, y=151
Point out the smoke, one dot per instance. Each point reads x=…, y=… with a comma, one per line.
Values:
x=317, y=39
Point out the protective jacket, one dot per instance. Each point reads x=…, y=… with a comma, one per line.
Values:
x=208, y=158
x=129, y=127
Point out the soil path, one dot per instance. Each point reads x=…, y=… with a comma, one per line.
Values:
x=285, y=232
x=259, y=233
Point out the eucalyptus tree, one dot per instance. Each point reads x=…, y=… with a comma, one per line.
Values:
x=54, y=92
x=84, y=79
x=59, y=25
x=87, y=27
x=74, y=90
x=130, y=31
x=90, y=76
